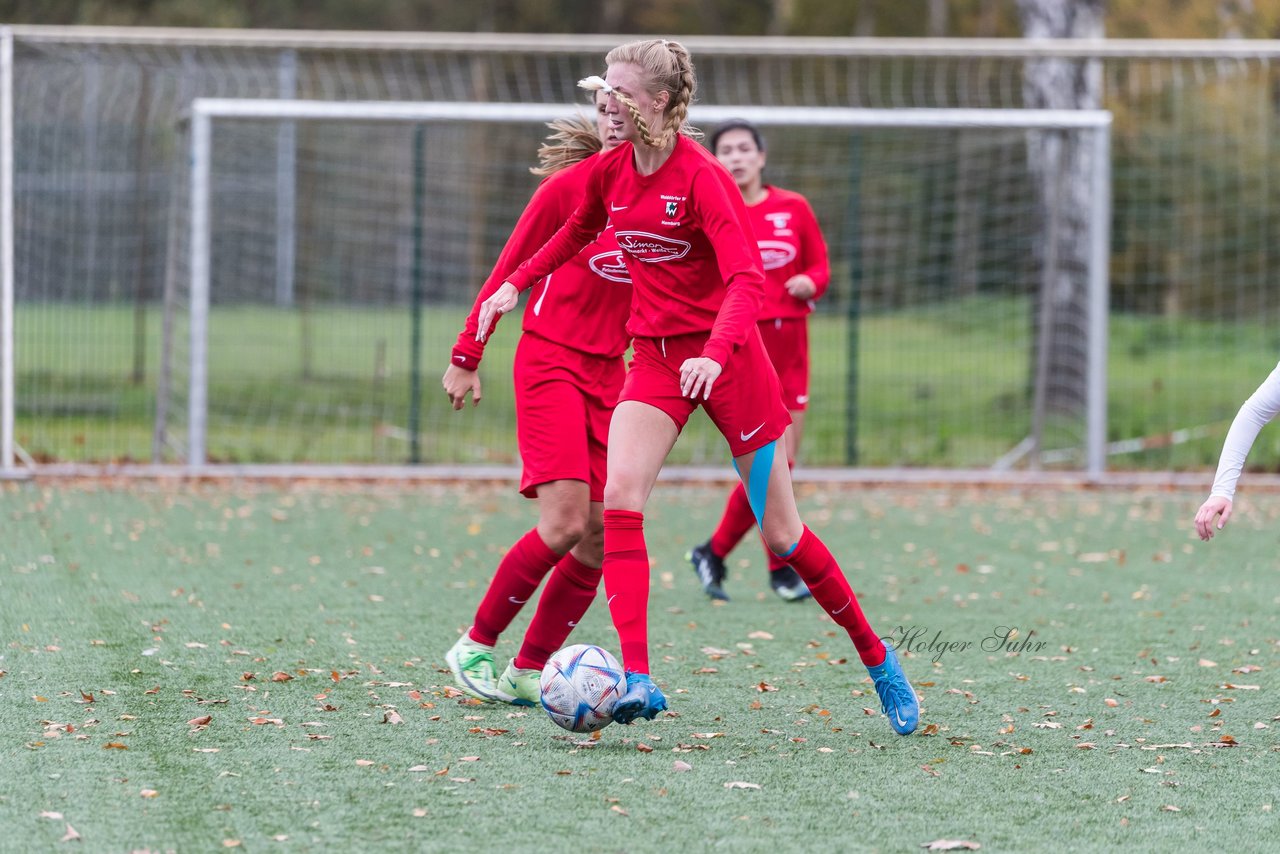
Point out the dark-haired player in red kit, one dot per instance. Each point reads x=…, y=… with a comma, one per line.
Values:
x=698, y=287
x=567, y=377
x=796, y=273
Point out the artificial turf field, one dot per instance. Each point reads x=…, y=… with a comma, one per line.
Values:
x=196, y=667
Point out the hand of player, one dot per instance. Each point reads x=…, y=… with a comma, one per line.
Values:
x=457, y=382
x=801, y=286
x=1208, y=512
x=698, y=375
x=505, y=298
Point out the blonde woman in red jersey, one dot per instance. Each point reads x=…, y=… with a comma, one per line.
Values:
x=567, y=378
x=794, y=257
x=697, y=291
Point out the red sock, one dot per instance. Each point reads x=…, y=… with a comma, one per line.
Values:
x=831, y=590
x=626, y=584
x=735, y=522
x=519, y=573
x=564, y=600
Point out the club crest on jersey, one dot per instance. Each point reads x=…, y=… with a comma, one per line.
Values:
x=651, y=248
x=780, y=221
x=672, y=209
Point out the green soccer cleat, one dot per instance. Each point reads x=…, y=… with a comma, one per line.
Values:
x=519, y=686
x=472, y=666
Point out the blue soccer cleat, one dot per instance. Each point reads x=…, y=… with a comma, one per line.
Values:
x=897, y=697
x=642, y=700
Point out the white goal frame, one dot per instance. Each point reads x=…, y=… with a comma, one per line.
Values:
x=205, y=111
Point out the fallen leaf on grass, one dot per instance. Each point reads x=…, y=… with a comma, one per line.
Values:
x=619, y=810
x=56, y=816
x=950, y=845
x=417, y=768
x=261, y=720
x=71, y=835
x=202, y=721
x=644, y=748
x=1169, y=808
x=392, y=717
x=706, y=735
x=280, y=676
x=679, y=765
x=149, y=793
x=738, y=784
x=364, y=762
x=115, y=745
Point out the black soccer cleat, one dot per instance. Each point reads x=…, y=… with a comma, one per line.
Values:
x=788, y=584
x=709, y=568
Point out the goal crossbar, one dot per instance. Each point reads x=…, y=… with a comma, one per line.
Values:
x=203, y=111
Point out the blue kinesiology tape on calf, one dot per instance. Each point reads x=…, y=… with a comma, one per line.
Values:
x=757, y=482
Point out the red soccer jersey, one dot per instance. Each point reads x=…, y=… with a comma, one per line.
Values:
x=694, y=266
x=790, y=244
x=584, y=303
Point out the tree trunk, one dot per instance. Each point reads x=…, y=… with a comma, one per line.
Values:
x=1061, y=163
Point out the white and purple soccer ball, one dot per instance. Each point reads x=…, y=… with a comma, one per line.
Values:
x=580, y=686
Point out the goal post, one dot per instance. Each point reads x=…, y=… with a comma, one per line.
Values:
x=1088, y=129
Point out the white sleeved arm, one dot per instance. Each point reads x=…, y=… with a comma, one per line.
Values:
x=1262, y=406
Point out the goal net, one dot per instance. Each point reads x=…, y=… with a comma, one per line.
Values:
x=323, y=256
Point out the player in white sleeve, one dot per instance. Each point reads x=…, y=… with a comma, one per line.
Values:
x=1262, y=406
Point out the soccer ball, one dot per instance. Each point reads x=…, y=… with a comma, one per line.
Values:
x=580, y=685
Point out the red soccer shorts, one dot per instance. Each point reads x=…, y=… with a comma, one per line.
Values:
x=746, y=400
x=786, y=339
x=564, y=399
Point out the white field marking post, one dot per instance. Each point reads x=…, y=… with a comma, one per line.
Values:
x=205, y=110
x=7, y=372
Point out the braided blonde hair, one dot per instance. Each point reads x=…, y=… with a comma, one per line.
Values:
x=574, y=139
x=669, y=68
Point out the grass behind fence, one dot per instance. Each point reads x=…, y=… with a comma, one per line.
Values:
x=261, y=668
x=944, y=386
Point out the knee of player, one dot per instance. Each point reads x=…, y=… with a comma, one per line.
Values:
x=780, y=539
x=623, y=497
x=563, y=530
